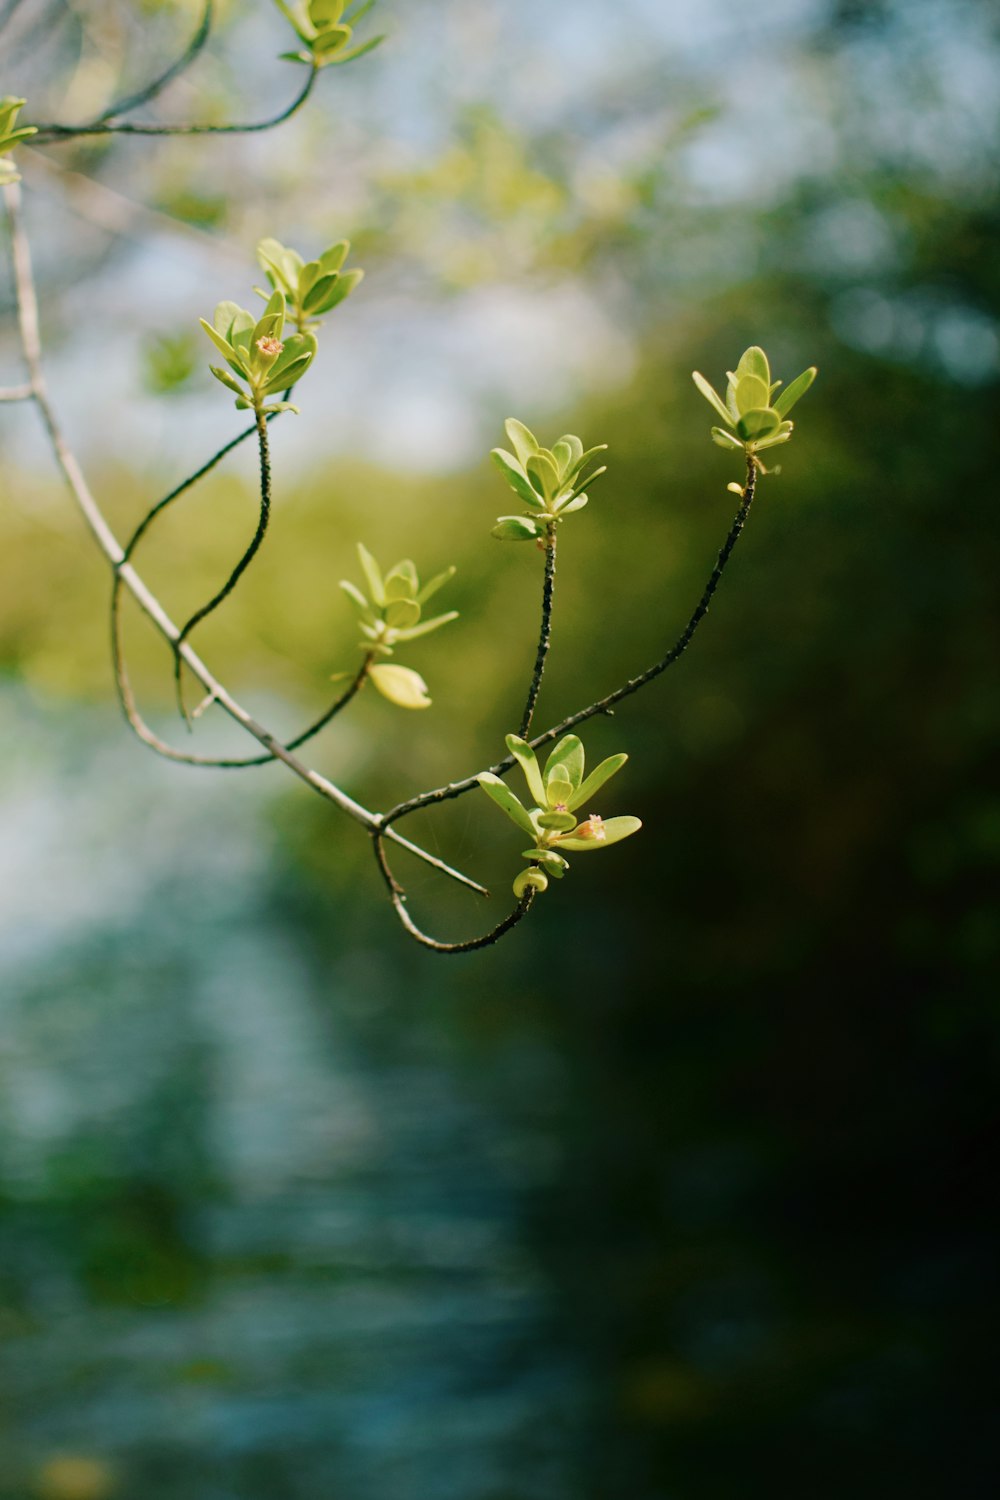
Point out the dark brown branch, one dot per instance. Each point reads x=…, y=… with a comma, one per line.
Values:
x=180, y=65
x=53, y=132
x=604, y=705
x=545, y=633
x=397, y=896
x=264, y=516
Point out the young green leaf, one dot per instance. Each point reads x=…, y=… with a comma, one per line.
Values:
x=401, y=685
x=609, y=832
x=596, y=780
x=527, y=760
x=505, y=799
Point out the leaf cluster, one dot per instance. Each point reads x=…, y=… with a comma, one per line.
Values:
x=10, y=136
x=391, y=613
x=257, y=354
x=753, y=419
x=326, y=27
x=550, y=481
x=311, y=288
x=557, y=791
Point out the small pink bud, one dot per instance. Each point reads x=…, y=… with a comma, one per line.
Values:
x=270, y=348
x=593, y=828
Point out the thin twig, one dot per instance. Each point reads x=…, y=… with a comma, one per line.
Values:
x=603, y=705
x=397, y=896
x=263, y=518
x=155, y=88
x=53, y=132
x=16, y=392
x=27, y=309
x=545, y=633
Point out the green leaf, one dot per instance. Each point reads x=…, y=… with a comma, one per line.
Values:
x=522, y=439
x=403, y=613
x=577, y=503
x=563, y=455
x=437, y=582
x=753, y=362
x=401, y=581
x=584, y=459
x=711, y=395
x=772, y=442
x=530, y=879
x=220, y=342
x=314, y=301
x=342, y=286
x=549, y=860
x=271, y=255
x=505, y=799
x=331, y=260
x=331, y=41
x=224, y=317
x=542, y=475
x=614, y=830
x=287, y=376
x=558, y=790
x=724, y=439
x=528, y=761
x=353, y=52
x=515, y=529
x=426, y=626
x=756, y=424
x=298, y=347
x=575, y=447
x=227, y=380
x=325, y=13
x=561, y=821
x=792, y=392
x=401, y=685
x=515, y=477
x=596, y=780
x=373, y=573
x=751, y=394
x=356, y=597
x=566, y=762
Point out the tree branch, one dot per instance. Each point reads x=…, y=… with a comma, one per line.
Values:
x=545, y=633
x=397, y=896
x=27, y=311
x=244, y=562
x=603, y=705
x=181, y=65
x=54, y=132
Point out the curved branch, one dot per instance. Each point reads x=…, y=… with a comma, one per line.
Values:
x=397, y=896
x=27, y=313
x=545, y=633
x=244, y=562
x=53, y=132
x=605, y=705
x=155, y=88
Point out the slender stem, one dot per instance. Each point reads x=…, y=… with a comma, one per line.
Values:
x=54, y=132
x=16, y=393
x=180, y=65
x=263, y=518
x=605, y=705
x=397, y=896
x=545, y=633
x=27, y=311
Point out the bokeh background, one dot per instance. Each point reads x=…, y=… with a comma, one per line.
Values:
x=687, y=1190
